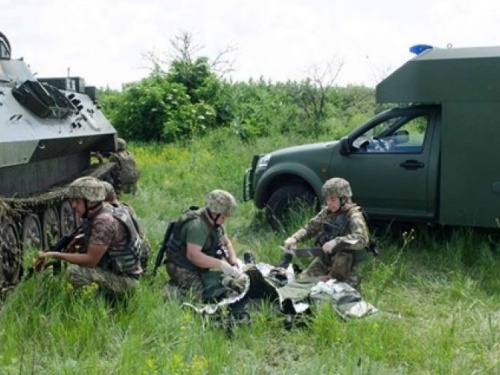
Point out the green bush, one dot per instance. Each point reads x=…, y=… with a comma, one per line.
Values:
x=189, y=99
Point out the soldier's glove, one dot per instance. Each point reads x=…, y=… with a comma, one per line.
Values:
x=329, y=246
x=229, y=270
x=290, y=243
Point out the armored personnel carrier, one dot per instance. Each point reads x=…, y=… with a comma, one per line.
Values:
x=47, y=138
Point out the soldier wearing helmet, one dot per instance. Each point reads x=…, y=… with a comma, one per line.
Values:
x=199, y=252
x=86, y=194
x=109, y=247
x=341, y=231
x=219, y=203
x=128, y=173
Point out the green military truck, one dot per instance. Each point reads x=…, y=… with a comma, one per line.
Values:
x=432, y=158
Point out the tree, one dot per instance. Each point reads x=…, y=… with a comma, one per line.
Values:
x=311, y=95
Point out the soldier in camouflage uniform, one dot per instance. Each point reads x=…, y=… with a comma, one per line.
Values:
x=128, y=168
x=199, y=243
x=340, y=229
x=112, y=199
x=109, y=254
x=196, y=252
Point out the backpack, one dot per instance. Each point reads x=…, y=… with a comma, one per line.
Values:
x=168, y=234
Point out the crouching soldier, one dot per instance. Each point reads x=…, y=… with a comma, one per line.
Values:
x=200, y=255
x=340, y=230
x=109, y=250
x=128, y=172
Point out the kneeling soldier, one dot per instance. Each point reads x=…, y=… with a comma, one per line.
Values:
x=340, y=230
x=110, y=250
x=197, y=248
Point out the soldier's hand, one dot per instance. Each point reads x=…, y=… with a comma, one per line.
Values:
x=42, y=255
x=39, y=262
x=329, y=246
x=230, y=270
x=98, y=156
x=290, y=243
x=233, y=261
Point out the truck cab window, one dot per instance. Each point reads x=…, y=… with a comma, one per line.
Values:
x=402, y=134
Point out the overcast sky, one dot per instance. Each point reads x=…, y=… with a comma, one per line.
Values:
x=104, y=41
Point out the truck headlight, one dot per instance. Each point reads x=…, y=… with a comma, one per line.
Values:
x=264, y=161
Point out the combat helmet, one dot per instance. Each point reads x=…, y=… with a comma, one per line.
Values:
x=89, y=188
x=337, y=187
x=110, y=191
x=121, y=145
x=220, y=202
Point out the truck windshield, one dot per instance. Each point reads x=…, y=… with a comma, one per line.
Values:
x=398, y=134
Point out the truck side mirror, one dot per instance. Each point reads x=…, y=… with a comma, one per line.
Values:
x=401, y=136
x=345, y=148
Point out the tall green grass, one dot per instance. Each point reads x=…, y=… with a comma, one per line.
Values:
x=437, y=291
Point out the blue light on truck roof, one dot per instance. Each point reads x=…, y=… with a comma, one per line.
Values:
x=417, y=49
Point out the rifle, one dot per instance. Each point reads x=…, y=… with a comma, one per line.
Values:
x=317, y=251
x=59, y=247
x=372, y=247
x=307, y=252
x=163, y=248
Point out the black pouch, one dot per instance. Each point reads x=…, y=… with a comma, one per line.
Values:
x=34, y=97
x=43, y=100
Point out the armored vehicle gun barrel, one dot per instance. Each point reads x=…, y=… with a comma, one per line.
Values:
x=47, y=136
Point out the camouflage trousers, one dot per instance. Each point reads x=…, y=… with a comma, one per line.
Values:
x=79, y=276
x=342, y=266
x=207, y=286
x=185, y=279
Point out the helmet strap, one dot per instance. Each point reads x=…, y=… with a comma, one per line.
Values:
x=214, y=219
x=343, y=201
x=89, y=207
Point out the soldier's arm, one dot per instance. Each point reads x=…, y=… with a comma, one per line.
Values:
x=358, y=236
x=104, y=229
x=312, y=228
x=231, y=258
x=200, y=259
x=89, y=259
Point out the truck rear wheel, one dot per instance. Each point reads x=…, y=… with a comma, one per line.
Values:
x=288, y=202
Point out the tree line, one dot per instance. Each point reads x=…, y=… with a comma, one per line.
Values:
x=192, y=97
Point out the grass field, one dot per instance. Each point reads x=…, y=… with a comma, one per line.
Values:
x=437, y=290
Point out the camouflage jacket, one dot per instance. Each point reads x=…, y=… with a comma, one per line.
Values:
x=128, y=168
x=113, y=228
x=348, y=227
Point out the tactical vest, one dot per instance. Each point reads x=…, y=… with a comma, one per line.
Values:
x=176, y=247
x=145, y=247
x=123, y=261
x=335, y=226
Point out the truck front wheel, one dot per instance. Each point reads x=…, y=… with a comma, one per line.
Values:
x=288, y=202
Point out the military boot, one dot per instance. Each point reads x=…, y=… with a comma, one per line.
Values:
x=248, y=258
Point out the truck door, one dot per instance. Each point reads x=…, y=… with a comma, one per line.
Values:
x=392, y=163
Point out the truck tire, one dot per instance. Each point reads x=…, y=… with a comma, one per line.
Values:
x=286, y=200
